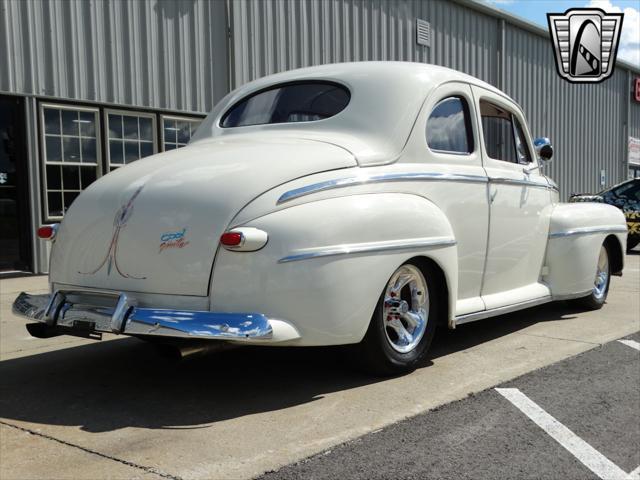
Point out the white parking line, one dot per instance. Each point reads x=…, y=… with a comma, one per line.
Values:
x=635, y=475
x=589, y=456
x=631, y=343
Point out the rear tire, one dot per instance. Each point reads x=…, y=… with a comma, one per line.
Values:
x=403, y=324
x=600, y=290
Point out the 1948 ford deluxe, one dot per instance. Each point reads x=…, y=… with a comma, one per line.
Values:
x=358, y=203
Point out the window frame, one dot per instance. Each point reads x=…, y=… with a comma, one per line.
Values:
x=179, y=118
x=249, y=96
x=129, y=113
x=466, y=108
x=513, y=117
x=43, y=151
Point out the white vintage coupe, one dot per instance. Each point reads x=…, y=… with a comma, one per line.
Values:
x=357, y=203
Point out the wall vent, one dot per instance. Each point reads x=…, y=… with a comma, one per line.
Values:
x=423, y=32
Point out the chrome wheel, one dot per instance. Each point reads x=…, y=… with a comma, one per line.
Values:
x=406, y=308
x=602, y=275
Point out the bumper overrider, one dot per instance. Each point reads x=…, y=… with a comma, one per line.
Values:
x=89, y=314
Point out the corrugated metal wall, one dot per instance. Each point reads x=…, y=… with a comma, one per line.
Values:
x=585, y=122
x=273, y=36
x=152, y=53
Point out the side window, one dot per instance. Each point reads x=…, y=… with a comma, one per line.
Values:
x=497, y=130
x=449, y=127
x=631, y=190
x=521, y=143
x=504, y=137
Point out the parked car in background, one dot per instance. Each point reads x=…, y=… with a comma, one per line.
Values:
x=625, y=196
x=358, y=203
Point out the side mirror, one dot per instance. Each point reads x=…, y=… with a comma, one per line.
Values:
x=543, y=148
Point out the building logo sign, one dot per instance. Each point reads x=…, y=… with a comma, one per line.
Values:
x=585, y=42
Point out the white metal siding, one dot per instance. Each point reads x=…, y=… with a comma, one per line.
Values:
x=151, y=53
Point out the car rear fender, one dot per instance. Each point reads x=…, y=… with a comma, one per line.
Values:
x=327, y=262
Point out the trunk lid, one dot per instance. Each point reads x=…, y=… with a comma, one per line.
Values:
x=154, y=226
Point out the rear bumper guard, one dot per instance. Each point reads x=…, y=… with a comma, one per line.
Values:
x=117, y=313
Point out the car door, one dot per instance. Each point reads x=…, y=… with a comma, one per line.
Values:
x=445, y=145
x=519, y=204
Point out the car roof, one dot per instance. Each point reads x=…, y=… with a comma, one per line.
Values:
x=386, y=98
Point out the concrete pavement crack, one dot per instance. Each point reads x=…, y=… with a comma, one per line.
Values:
x=94, y=452
x=560, y=338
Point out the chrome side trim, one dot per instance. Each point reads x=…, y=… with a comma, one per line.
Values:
x=589, y=231
x=520, y=182
x=116, y=313
x=366, y=179
x=349, y=249
x=472, y=317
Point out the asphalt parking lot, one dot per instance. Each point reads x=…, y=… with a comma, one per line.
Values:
x=595, y=395
x=74, y=408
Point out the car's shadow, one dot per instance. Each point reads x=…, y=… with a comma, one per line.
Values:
x=126, y=383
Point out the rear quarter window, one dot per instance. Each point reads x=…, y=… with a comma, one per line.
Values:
x=288, y=103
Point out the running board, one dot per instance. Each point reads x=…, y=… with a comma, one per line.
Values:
x=472, y=317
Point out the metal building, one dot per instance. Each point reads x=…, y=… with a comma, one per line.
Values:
x=87, y=86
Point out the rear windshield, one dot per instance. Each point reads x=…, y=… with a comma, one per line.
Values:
x=293, y=102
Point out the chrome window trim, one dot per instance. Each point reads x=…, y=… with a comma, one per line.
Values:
x=380, y=178
x=589, y=231
x=349, y=249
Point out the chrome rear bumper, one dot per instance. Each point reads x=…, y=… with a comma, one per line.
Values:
x=117, y=313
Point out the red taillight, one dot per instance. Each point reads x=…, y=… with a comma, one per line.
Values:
x=47, y=232
x=231, y=239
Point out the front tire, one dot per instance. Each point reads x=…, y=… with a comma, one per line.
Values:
x=601, y=283
x=403, y=324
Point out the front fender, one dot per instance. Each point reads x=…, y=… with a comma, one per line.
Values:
x=326, y=262
x=576, y=234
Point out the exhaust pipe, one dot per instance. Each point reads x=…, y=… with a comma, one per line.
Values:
x=193, y=349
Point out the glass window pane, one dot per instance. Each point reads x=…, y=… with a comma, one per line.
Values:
x=130, y=127
x=54, y=177
x=53, y=149
x=89, y=151
x=54, y=199
x=447, y=127
x=497, y=131
x=69, y=197
x=146, y=149
x=170, y=146
x=115, y=126
x=299, y=102
x=71, y=147
x=170, y=131
x=71, y=177
x=521, y=143
x=116, y=152
x=184, y=132
x=52, y=121
x=194, y=128
x=87, y=124
x=131, y=153
x=87, y=176
x=146, y=128
x=70, y=124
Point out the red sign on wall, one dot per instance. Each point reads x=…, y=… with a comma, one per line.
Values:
x=636, y=89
